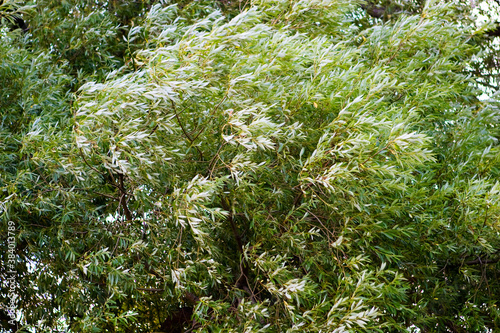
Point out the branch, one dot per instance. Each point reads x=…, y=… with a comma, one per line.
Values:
x=176, y=321
x=16, y=21
x=191, y=140
x=154, y=290
x=123, y=199
x=482, y=261
x=90, y=166
x=234, y=229
x=495, y=32
x=478, y=261
x=211, y=114
x=180, y=123
x=242, y=282
x=373, y=10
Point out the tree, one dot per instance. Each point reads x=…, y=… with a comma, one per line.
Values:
x=484, y=13
x=279, y=167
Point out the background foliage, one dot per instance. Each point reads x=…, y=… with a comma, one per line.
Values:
x=268, y=166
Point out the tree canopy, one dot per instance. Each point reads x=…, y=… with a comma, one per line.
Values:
x=268, y=166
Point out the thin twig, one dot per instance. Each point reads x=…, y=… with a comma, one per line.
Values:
x=184, y=130
x=211, y=114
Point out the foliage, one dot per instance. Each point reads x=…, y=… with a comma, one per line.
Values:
x=279, y=167
x=484, y=14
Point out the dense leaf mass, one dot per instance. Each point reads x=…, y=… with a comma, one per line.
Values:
x=274, y=166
